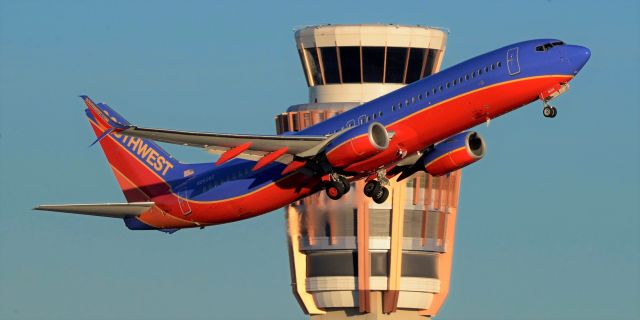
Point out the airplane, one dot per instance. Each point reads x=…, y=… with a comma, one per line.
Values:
x=419, y=127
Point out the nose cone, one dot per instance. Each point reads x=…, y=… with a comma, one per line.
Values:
x=579, y=56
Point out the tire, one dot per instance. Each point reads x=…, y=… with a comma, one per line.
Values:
x=554, y=112
x=333, y=191
x=370, y=187
x=547, y=111
x=381, y=196
x=346, y=185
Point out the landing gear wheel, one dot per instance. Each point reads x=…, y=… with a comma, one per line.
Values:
x=380, y=196
x=549, y=111
x=346, y=184
x=371, y=187
x=334, y=190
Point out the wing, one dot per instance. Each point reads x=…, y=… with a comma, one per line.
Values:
x=220, y=142
x=263, y=148
x=109, y=210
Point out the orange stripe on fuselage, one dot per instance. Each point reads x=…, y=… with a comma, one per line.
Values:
x=439, y=121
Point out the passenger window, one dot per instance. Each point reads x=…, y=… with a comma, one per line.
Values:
x=420, y=96
x=413, y=99
x=486, y=69
x=440, y=88
x=406, y=102
x=448, y=85
x=426, y=93
x=466, y=77
x=455, y=81
x=479, y=72
x=434, y=90
x=499, y=64
x=379, y=114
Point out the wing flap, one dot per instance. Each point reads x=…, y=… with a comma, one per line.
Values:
x=109, y=210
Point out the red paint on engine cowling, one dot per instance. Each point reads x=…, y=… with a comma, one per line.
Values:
x=351, y=151
x=451, y=161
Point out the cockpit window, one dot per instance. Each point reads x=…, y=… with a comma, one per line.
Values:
x=549, y=45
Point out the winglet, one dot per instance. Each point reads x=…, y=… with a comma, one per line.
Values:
x=102, y=117
x=104, y=134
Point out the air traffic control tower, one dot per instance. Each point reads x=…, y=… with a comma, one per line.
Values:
x=353, y=258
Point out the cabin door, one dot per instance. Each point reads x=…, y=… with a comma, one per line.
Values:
x=513, y=65
x=184, y=203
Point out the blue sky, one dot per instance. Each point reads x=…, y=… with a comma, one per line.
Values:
x=548, y=224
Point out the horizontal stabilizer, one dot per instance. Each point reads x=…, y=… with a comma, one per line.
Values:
x=109, y=210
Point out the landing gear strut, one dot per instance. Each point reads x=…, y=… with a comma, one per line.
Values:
x=549, y=111
x=375, y=188
x=337, y=187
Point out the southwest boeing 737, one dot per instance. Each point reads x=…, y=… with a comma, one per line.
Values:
x=420, y=127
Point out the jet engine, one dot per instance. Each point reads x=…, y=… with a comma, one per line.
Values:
x=357, y=144
x=454, y=153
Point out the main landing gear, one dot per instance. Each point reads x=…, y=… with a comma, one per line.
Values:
x=337, y=187
x=375, y=188
x=376, y=191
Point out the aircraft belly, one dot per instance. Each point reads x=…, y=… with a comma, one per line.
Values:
x=433, y=124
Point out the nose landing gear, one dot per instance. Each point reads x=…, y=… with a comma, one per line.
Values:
x=549, y=111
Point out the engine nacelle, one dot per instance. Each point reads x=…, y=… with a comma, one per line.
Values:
x=357, y=144
x=454, y=153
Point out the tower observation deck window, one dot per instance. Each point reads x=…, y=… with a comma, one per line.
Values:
x=314, y=65
x=396, y=61
x=302, y=61
x=350, y=64
x=373, y=64
x=415, y=64
x=355, y=64
x=430, y=62
x=330, y=64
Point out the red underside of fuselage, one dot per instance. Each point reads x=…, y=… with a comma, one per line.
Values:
x=433, y=124
x=413, y=133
